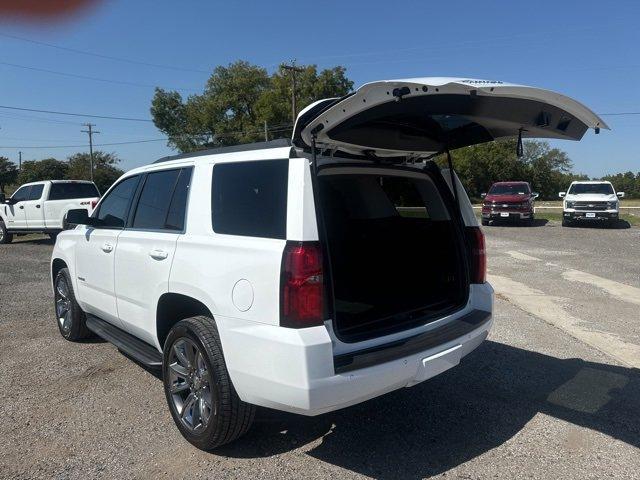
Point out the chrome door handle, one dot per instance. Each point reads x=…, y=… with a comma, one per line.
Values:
x=107, y=247
x=158, y=254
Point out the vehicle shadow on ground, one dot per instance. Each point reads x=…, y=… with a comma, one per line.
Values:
x=437, y=425
x=32, y=241
x=537, y=222
x=619, y=225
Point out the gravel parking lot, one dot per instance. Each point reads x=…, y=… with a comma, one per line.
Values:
x=553, y=393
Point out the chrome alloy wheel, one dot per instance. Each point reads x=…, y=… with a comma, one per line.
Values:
x=190, y=384
x=63, y=305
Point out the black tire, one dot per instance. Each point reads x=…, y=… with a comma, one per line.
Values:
x=5, y=236
x=229, y=417
x=485, y=222
x=53, y=236
x=74, y=326
x=566, y=223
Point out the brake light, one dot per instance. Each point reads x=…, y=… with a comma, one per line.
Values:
x=93, y=204
x=301, y=285
x=478, y=260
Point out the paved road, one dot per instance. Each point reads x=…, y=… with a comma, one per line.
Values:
x=548, y=396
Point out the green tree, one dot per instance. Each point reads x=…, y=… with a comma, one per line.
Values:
x=105, y=170
x=8, y=173
x=547, y=169
x=627, y=182
x=237, y=101
x=47, y=169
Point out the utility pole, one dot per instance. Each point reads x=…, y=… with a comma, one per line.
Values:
x=293, y=69
x=91, y=132
x=266, y=132
x=19, y=161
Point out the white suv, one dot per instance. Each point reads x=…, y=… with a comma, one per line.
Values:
x=304, y=276
x=590, y=201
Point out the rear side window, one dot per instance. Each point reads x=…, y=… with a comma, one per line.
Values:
x=114, y=207
x=162, y=202
x=36, y=192
x=403, y=193
x=65, y=191
x=250, y=198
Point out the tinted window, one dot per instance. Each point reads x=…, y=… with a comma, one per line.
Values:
x=21, y=194
x=63, y=191
x=595, y=188
x=178, y=206
x=113, y=208
x=250, y=198
x=36, y=192
x=153, y=205
x=512, y=189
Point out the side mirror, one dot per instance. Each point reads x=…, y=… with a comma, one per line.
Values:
x=620, y=194
x=79, y=216
x=535, y=195
x=562, y=194
x=482, y=195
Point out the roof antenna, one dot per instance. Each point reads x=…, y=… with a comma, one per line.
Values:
x=520, y=147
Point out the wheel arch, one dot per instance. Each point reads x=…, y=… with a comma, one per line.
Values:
x=173, y=307
x=56, y=265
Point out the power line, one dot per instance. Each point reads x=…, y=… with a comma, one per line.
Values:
x=87, y=115
x=108, y=57
x=275, y=129
x=84, y=144
x=86, y=77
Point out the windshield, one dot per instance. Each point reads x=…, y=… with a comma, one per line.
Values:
x=597, y=188
x=513, y=189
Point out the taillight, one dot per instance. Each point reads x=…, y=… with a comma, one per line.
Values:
x=93, y=204
x=478, y=263
x=301, y=285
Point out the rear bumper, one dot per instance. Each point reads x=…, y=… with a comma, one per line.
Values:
x=297, y=371
x=583, y=215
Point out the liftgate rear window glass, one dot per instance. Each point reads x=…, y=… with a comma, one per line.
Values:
x=250, y=198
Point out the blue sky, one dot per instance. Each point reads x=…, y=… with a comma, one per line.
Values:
x=587, y=50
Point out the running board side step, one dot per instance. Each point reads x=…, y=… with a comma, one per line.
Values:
x=141, y=351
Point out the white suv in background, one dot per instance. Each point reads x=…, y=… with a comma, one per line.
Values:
x=41, y=207
x=304, y=276
x=590, y=201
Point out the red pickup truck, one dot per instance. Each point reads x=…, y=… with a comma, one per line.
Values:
x=508, y=201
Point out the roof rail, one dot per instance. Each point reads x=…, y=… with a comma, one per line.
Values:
x=277, y=143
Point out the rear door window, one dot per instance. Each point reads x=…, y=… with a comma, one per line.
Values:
x=162, y=202
x=65, y=191
x=36, y=192
x=250, y=198
x=114, y=207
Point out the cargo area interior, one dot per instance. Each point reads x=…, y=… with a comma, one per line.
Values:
x=395, y=257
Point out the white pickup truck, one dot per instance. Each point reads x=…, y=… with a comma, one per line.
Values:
x=587, y=201
x=41, y=207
